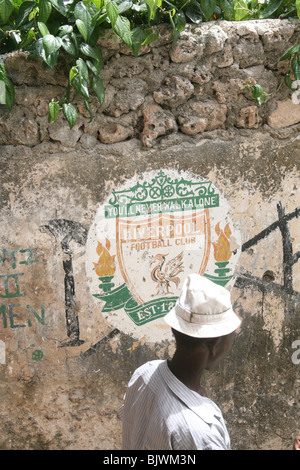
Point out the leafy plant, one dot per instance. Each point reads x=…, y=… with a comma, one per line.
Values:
x=48, y=29
x=258, y=94
x=291, y=77
x=293, y=74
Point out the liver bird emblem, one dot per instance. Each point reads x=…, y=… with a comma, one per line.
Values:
x=166, y=272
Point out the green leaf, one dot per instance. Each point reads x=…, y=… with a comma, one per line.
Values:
x=24, y=12
x=54, y=109
x=227, y=8
x=70, y=114
x=98, y=3
x=81, y=13
x=270, y=9
x=290, y=51
x=51, y=43
x=295, y=63
x=298, y=7
x=259, y=94
x=82, y=29
x=65, y=29
x=29, y=38
x=176, y=33
x=9, y=94
x=2, y=92
x=2, y=72
x=6, y=8
x=138, y=36
x=72, y=73
x=33, y=13
x=43, y=29
x=83, y=70
x=194, y=12
x=86, y=104
x=16, y=37
x=40, y=51
x=74, y=40
x=152, y=6
x=180, y=20
x=122, y=29
x=69, y=46
x=112, y=12
x=140, y=8
x=93, y=52
x=257, y=91
x=94, y=67
x=45, y=9
x=98, y=89
x=151, y=38
x=288, y=81
x=99, y=18
x=261, y=99
x=52, y=59
x=81, y=86
x=124, y=6
x=63, y=7
x=241, y=10
x=208, y=7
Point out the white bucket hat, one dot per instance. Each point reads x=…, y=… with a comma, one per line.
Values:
x=203, y=309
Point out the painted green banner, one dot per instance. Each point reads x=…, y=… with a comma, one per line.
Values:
x=150, y=207
x=139, y=314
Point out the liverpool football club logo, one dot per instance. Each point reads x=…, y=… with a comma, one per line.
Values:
x=147, y=237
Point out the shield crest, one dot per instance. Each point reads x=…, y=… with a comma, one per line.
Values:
x=157, y=252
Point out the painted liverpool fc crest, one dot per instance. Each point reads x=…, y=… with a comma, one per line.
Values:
x=147, y=237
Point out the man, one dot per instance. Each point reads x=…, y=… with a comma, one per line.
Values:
x=165, y=406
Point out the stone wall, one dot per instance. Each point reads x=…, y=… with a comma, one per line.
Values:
x=176, y=120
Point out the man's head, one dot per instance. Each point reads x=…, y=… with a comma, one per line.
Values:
x=203, y=310
x=212, y=350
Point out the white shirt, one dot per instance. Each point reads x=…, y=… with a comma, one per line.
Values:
x=160, y=413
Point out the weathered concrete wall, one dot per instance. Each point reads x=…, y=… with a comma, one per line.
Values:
x=65, y=354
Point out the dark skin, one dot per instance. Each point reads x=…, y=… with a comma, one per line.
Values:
x=191, y=360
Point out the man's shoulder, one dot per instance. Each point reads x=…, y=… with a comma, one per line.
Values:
x=148, y=368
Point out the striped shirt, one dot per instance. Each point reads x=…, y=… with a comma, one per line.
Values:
x=161, y=413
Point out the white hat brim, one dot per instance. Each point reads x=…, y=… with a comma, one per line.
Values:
x=208, y=326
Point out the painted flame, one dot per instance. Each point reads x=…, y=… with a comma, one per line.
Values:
x=106, y=265
x=222, y=247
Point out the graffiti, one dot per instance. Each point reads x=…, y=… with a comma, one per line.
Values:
x=14, y=259
x=289, y=260
x=8, y=314
x=10, y=289
x=11, y=286
x=37, y=355
x=66, y=231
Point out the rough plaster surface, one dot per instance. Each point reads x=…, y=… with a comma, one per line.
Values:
x=183, y=107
